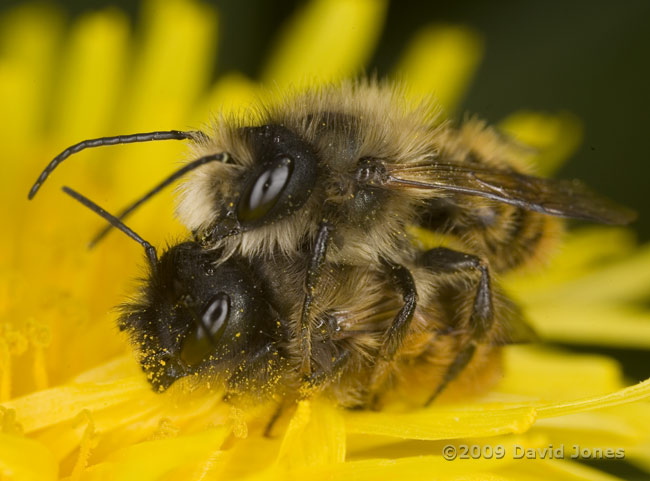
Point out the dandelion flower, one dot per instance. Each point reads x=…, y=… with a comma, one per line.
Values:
x=74, y=403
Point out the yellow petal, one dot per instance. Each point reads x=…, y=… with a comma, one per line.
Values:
x=582, y=252
x=171, y=69
x=231, y=95
x=557, y=375
x=153, y=459
x=625, y=280
x=593, y=324
x=553, y=138
x=51, y=406
x=315, y=436
x=30, y=38
x=441, y=61
x=91, y=77
x=630, y=394
x=115, y=369
x=238, y=462
x=594, y=429
x=411, y=469
x=25, y=460
x=326, y=41
x=639, y=455
x=442, y=423
x=64, y=438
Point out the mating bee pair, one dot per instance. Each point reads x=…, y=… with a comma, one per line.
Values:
x=302, y=274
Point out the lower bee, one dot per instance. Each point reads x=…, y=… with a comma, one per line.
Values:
x=198, y=316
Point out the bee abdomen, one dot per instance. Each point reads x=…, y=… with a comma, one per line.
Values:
x=517, y=237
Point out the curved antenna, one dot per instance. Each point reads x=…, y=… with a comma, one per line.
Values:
x=118, y=139
x=221, y=157
x=115, y=222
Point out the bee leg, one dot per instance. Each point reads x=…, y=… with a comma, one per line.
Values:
x=394, y=336
x=402, y=278
x=313, y=276
x=320, y=376
x=445, y=260
x=459, y=363
x=268, y=430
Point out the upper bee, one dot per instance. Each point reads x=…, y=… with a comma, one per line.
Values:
x=362, y=159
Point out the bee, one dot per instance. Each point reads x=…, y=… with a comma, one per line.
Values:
x=198, y=316
x=335, y=177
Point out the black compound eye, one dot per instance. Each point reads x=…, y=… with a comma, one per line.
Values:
x=262, y=194
x=203, y=340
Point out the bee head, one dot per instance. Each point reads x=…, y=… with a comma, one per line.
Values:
x=194, y=313
x=196, y=316
x=271, y=175
x=283, y=177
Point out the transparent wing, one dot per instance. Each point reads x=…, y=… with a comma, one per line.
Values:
x=562, y=198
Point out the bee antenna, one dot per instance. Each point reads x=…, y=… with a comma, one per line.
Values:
x=148, y=248
x=221, y=157
x=118, y=139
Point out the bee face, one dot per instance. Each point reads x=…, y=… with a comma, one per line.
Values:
x=195, y=315
x=278, y=182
